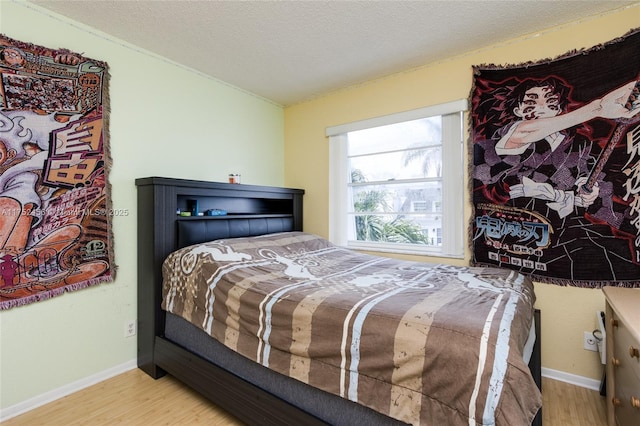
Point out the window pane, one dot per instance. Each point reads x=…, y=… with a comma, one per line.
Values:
x=411, y=164
x=407, y=213
x=425, y=229
x=398, y=198
x=400, y=136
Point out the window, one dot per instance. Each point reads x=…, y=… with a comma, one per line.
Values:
x=396, y=182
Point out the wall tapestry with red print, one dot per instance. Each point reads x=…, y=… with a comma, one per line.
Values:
x=556, y=166
x=55, y=221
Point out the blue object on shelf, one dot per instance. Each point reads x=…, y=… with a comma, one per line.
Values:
x=216, y=212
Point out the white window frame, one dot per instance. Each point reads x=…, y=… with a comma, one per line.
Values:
x=453, y=228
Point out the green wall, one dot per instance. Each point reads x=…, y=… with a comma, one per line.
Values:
x=166, y=120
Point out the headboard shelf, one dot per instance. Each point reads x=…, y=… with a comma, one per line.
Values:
x=252, y=210
x=232, y=216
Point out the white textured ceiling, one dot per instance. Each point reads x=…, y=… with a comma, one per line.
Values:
x=291, y=51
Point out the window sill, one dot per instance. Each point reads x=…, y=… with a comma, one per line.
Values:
x=362, y=246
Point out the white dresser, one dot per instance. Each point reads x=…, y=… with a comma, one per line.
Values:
x=623, y=356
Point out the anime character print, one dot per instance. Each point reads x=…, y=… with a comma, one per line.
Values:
x=53, y=207
x=554, y=176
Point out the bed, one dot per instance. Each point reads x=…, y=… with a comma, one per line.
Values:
x=245, y=368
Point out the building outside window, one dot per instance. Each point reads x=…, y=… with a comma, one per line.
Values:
x=397, y=182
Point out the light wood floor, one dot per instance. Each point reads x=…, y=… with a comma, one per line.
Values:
x=133, y=398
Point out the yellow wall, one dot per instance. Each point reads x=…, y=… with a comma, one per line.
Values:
x=166, y=120
x=566, y=311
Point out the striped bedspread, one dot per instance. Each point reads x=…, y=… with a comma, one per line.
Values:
x=423, y=343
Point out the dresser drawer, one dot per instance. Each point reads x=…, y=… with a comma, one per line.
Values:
x=624, y=352
x=623, y=366
x=626, y=414
x=627, y=374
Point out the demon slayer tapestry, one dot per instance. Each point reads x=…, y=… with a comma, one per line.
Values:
x=556, y=166
x=55, y=225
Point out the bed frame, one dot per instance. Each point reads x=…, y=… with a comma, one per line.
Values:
x=251, y=210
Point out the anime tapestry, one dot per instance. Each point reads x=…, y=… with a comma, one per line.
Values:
x=55, y=230
x=556, y=166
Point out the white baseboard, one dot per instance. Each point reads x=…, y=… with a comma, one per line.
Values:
x=65, y=390
x=581, y=381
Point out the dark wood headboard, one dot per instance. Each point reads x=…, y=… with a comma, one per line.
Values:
x=251, y=210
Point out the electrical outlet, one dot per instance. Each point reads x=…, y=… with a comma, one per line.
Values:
x=590, y=343
x=130, y=328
